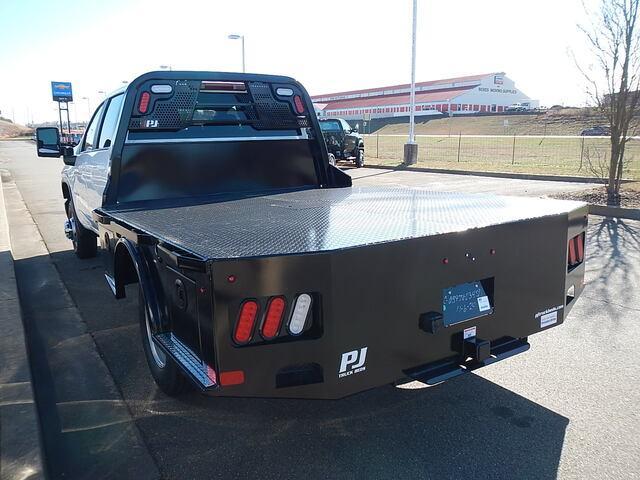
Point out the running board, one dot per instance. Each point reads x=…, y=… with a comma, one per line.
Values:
x=438, y=372
x=201, y=373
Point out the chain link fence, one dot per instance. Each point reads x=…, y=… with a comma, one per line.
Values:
x=545, y=155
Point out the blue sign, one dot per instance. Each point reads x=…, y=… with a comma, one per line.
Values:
x=61, y=92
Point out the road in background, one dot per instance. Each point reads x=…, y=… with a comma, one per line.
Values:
x=567, y=408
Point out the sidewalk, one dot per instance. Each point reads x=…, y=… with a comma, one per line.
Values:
x=87, y=430
x=20, y=444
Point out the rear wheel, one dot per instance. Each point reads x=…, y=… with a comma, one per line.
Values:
x=164, y=370
x=84, y=241
x=359, y=161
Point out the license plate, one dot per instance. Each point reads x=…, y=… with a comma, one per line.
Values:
x=464, y=302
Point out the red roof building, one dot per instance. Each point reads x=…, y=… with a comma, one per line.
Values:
x=490, y=92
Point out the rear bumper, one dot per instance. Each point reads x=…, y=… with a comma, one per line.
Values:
x=307, y=381
x=447, y=369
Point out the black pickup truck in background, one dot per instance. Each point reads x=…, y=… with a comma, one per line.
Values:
x=343, y=141
x=263, y=272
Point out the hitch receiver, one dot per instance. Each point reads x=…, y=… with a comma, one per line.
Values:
x=477, y=349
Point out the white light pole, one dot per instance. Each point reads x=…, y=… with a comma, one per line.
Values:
x=88, y=108
x=411, y=147
x=239, y=37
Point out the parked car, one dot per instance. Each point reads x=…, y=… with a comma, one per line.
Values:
x=516, y=107
x=597, y=131
x=343, y=142
x=262, y=272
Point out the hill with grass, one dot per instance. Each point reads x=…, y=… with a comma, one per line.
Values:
x=567, y=121
x=8, y=129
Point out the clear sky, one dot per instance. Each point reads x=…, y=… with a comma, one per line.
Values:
x=328, y=45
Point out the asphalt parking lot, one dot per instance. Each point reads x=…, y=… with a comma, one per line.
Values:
x=565, y=409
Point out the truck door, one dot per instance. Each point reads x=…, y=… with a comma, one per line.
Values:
x=92, y=165
x=349, y=138
x=81, y=171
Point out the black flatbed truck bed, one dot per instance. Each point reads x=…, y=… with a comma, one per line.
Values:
x=321, y=220
x=263, y=272
x=376, y=261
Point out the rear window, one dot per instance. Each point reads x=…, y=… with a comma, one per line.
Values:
x=330, y=126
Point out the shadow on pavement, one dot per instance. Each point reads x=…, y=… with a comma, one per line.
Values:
x=86, y=428
x=613, y=251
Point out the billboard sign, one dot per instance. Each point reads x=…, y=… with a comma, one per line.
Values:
x=61, y=92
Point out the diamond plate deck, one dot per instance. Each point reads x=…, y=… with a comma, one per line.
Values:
x=329, y=219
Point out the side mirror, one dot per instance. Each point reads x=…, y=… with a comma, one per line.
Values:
x=48, y=142
x=68, y=155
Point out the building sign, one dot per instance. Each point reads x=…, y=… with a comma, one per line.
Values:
x=61, y=92
x=498, y=80
x=498, y=90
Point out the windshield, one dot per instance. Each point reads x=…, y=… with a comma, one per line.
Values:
x=330, y=126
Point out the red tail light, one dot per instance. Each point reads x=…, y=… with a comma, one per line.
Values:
x=143, y=106
x=298, y=103
x=246, y=321
x=273, y=318
x=575, y=255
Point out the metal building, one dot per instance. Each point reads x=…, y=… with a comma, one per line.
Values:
x=490, y=92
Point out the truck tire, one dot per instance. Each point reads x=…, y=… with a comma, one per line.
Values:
x=84, y=241
x=164, y=370
x=359, y=161
x=332, y=159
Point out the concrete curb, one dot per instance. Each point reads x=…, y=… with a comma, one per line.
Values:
x=517, y=176
x=20, y=437
x=605, y=211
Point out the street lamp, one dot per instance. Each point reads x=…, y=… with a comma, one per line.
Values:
x=103, y=93
x=165, y=67
x=239, y=37
x=411, y=147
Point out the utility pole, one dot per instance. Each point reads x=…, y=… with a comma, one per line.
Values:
x=411, y=147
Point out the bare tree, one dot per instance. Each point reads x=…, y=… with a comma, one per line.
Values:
x=614, y=78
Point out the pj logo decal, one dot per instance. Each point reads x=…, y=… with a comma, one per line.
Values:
x=352, y=362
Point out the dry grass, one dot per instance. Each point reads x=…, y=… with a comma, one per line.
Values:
x=534, y=155
x=568, y=121
x=12, y=130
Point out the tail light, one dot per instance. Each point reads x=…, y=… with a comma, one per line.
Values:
x=143, y=106
x=271, y=326
x=575, y=255
x=273, y=318
x=299, y=105
x=299, y=314
x=246, y=321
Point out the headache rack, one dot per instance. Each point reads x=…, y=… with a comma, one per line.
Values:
x=177, y=104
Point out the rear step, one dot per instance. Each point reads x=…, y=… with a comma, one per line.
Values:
x=187, y=360
x=434, y=373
